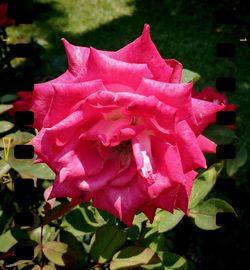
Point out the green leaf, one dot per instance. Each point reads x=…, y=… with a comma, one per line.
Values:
x=203, y=184
x=20, y=263
x=172, y=261
x=157, y=266
x=49, y=267
x=154, y=241
x=132, y=257
x=58, y=253
x=220, y=134
x=106, y=241
x=133, y=233
x=76, y=247
x=139, y=218
x=188, y=76
x=80, y=221
x=10, y=238
x=233, y=165
x=5, y=107
x=167, y=221
x=18, y=137
x=36, y=267
x=27, y=168
x=8, y=98
x=49, y=234
x=5, y=126
x=204, y=213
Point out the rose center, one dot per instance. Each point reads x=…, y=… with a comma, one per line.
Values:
x=124, y=147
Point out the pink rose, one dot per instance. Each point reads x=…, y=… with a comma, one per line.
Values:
x=23, y=103
x=119, y=128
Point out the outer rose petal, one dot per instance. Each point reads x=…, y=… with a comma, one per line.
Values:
x=121, y=202
x=143, y=50
x=191, y=155
x=43, y=92
x=170, y=93
x=149, y=211
x=77, y=58
x=206, y=145
x=42, y=97
x=205, y=113
x=185, y=191
x=167, y=199
x=113, y=71
x=65, y=189
x=67, y=96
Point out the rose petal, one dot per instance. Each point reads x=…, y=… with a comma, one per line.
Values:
x=121, y=202
x=174, y=94
x=205, y=113
x=141, y=145
x=143, y=50
x=67, y=96
x=190, y=152
x=185, y=191
x=177, y=70
x=113, y=71
x=206, y=145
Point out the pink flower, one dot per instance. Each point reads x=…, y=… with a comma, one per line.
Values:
x=119, y=128
x=208, y=93
x=4, y=20
x=23, y=103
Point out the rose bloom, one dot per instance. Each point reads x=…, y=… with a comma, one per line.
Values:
x=23, y=103
x=208, y=93
x=120, y=129
x=4, y=20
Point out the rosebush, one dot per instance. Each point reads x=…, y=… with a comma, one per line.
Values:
x=23, y=103
x=120, y=129
x=4, y=19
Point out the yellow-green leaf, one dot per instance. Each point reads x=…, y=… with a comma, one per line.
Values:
x=132, y=257
x=107, y=240
x=204, y=213
x=58, y=253
x=27, y=167
x=5, y=107
x=203, y=184
x=168, y=221
x=188, y=76
x=10, y=238
x=5, y=126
